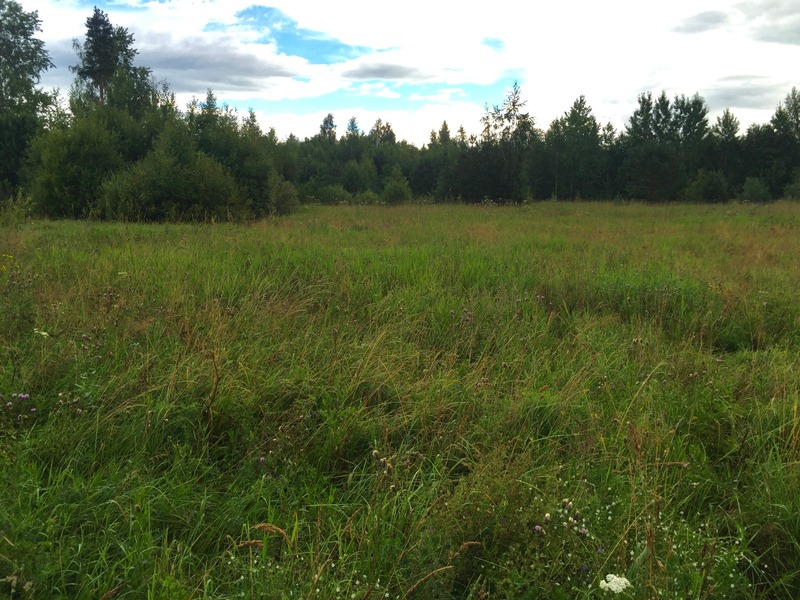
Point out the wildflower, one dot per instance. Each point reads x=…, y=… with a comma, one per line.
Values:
x=615, y=583
x=24, y=396
x=261, y=460
x=583, y=531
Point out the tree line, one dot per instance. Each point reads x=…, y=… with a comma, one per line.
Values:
x=123, y=149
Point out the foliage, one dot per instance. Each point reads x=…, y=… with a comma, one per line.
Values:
x=330, y=194
x=574, y=143
x=667, y=151
x=708, y=186
x=286, y=200
x=665, y=142
x=69, y=165
x=786, y=120
x=16, y=132
x=105, y=50
x=792, y=190
x=396, y=189
x=755, y=190
x=327, y=130
x=24, y=60
x=175, y=181
x=368, y=197
x=14, y=211
x=381, y=133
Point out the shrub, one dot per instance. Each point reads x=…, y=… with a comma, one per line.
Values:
x=708, y=186
x=286, y=201
x=792, y=189
x=334, y=194
x=755, y=190
x=368, y=197
x=14, y=210
x=174, y=181
x=68, y=167
x=396, y=189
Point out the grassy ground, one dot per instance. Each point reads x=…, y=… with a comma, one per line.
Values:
x=426, y=402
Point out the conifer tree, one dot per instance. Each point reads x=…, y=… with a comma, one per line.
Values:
x=106, y=49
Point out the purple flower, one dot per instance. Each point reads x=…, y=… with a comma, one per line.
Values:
x=24, y=396
x=583, y=531
x=261, y=460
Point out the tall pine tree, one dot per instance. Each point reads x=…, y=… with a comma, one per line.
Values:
x=106, y=49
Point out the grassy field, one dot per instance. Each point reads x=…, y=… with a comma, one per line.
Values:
x=411, y=402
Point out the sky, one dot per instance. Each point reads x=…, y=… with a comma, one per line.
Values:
x=418, y=63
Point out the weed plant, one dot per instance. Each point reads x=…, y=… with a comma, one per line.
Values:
x=404, y=402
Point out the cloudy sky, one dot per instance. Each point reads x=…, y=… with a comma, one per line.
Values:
x=416, y=63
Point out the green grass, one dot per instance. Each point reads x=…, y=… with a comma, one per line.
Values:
x=388, y=402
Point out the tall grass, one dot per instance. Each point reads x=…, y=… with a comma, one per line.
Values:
x=427, y=402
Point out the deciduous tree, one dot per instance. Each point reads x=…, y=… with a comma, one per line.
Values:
x=23, y=59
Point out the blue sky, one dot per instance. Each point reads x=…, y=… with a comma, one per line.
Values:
x=415, y=64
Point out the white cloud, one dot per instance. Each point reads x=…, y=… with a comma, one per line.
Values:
x=411, y=125
x=608, y=51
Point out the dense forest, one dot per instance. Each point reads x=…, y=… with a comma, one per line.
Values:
x=123, y=149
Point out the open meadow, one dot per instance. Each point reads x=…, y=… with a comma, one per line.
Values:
x=409, y=402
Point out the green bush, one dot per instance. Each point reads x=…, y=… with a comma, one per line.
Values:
x=68, y=167
x=792, y=189
x=286, y=200
x=708, y=186
x=334, y=194
x=755, y=190
x=173, y=182
x=396, y=190
x=359, y=176
x=367, y=197
x=14, y=210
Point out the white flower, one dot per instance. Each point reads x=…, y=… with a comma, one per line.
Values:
x=615, y=584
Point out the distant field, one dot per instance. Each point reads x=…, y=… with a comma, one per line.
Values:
x=410, y=402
